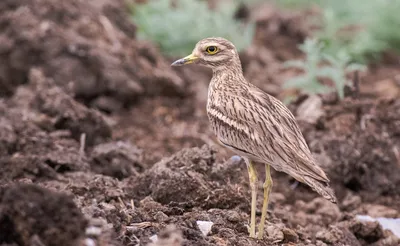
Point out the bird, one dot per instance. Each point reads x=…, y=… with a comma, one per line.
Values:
x=255, y=125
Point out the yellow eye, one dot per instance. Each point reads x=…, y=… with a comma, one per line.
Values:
x=212, y=50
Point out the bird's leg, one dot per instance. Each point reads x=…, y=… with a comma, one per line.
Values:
x=267, y=190
x=253, y=185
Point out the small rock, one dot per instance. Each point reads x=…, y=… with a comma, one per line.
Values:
x=89, y=242
x=290, y=235
x=370, y=231
x=204, y=226
x=154, y=238
x=387, y=223
x=148, y=204
x=275, y=234
x=310, y=110
x=161, y=217
x=93, y=231
x=337, y=236
x=170, y=236
x=235, y=158
x=351, y=202
x=233, y=216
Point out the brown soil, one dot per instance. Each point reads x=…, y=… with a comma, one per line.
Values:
x=102, y=142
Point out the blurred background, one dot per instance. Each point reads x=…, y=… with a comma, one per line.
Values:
x=103, y=143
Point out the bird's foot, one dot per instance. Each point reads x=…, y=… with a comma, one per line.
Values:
x=251, y=234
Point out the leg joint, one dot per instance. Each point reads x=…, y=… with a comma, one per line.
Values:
x=268, y=183
x=252, y=173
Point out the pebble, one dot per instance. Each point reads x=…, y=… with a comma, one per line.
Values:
x=154, y=238
x=290, y=235
x=161, y=217
x=275, y=234
x=89, y=242
x=93, y=231
x=204, y=226
x=233, y=216
x=236, y=158
x=386, y=223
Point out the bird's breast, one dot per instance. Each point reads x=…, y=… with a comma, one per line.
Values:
x=213, y=119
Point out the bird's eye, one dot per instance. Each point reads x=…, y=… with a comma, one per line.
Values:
x=212, y=50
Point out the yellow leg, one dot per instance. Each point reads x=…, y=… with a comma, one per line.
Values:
x=267, y=190
x=253, y=185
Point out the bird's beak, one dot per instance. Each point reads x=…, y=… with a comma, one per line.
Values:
x=186, y=60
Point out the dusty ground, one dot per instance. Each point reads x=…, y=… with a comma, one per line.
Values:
x=102, y=143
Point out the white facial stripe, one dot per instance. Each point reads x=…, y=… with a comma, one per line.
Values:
x=212, y=44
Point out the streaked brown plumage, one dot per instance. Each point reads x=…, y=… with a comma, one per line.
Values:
x=254, y=124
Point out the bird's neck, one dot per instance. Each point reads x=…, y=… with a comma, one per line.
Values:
x=226, y=79
x=230, y=70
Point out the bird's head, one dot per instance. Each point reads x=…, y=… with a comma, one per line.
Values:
x=215, y=53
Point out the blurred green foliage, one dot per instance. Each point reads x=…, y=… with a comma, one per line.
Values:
x=296, y=4
x=336, y=69
x=364, y=29
x=350, y=33
x=177, y=28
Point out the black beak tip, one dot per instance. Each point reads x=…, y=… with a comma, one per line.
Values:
x=176, y=63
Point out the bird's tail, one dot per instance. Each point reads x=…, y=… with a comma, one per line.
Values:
x=321, y=188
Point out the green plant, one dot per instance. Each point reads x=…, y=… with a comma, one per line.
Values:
x=308, y=82
x=363, y=29
x=296, y=4
x=339, y=66
x=176, y=29
x=336, y=70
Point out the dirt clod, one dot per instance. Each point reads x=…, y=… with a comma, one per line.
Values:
x=116, y=159
x=66, y=112
x=30, y=213
x=191, y=167
x=336, y=235
x=86, y=47
x=369, y=232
